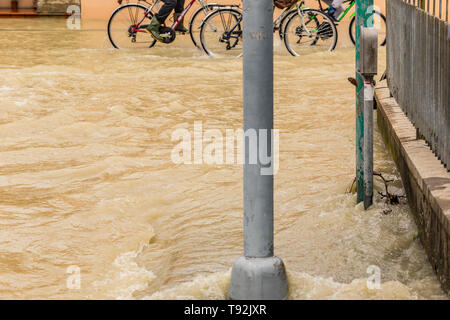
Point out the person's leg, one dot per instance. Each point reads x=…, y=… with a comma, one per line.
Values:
x=335, y=9
x=160, y=17
x=179, y=6
x=337, y=4
x=179, y=9
x=165, y=10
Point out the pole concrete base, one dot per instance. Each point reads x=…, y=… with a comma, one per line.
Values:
x=258, y=279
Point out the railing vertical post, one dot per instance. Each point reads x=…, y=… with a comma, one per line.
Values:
x=364, y=18
x=422, y=4
x=446, y=11
x=258, y=275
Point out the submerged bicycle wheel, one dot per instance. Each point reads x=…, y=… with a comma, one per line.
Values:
x=221, y=33
x=196, y=23
x=283, y=22
x=379, y=22
x=122, y=23
x=313, y=31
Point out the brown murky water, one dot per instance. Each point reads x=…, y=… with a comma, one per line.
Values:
x=86, y=177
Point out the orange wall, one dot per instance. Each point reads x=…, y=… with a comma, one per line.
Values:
x=95, y=9
x=22, y=3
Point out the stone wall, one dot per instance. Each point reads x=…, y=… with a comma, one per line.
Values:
x=56, y=7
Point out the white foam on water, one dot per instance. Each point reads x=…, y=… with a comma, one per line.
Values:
x=302, y=286
x=124, y=278
x=6, y=88
x=212, y=287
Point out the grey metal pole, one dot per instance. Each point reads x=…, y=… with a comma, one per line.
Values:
x=368, y=141
x=258, y=275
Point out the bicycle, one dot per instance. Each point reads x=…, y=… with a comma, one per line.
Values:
x=298, y=39
x=226, y=38
x=280, y=23
x=380, y=21
x=127, y=24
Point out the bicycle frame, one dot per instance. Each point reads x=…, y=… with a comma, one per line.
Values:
x=281, y=16
x=300, y=14
x=181, y=16
x=121, y=1
x=229, y=34
x=299, y=6
x=175, y=24
x=344, y=13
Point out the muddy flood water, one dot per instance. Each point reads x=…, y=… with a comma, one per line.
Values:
x=87, y=182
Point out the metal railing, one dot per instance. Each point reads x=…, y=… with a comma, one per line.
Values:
x=418, y=63
x=438, y=8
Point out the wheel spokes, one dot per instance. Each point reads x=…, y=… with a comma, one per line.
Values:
x=121, y=28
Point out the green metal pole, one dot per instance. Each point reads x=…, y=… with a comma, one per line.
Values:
x=364, y=17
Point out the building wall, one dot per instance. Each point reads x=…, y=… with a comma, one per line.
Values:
x=98, y=9
x=56, y=6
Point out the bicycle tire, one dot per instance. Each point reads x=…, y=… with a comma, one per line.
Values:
x=111, y=19
x=314, y=12
x=194, y=16
x=352, y=23
x=283, y=23
x=205, y=22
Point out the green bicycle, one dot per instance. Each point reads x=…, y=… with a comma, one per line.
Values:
x=379, y=20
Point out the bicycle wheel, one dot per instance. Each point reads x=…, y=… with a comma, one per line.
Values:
x=120, y=27
x=379, y=21
x=221, y=33
x=196, y=23
x=283, y=23
x=313, y=31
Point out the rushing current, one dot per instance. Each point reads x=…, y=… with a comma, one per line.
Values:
x=88, y=186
